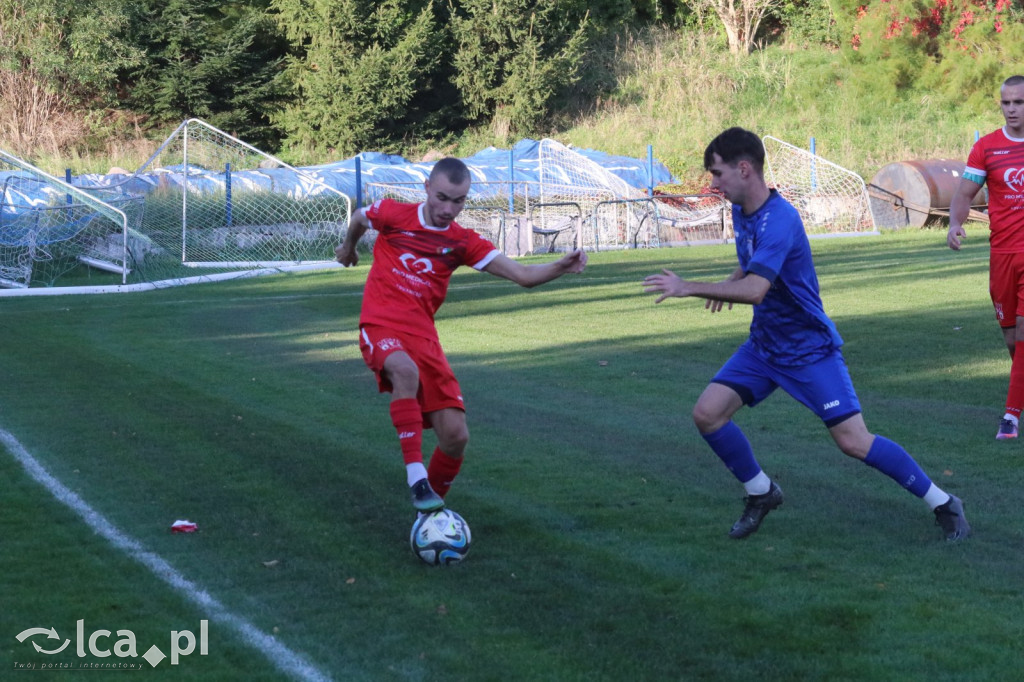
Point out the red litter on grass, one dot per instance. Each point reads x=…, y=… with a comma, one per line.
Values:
x=184, y=527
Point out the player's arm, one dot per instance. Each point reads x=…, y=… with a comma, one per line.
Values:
x=358, y=224
x=529, y=276
x=748, y=288
x=960, y=209
x=716, y=305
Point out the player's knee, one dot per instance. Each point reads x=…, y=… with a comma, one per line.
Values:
x=854, y=446
x=404, y=377
x=707, y=420
x=453, y=440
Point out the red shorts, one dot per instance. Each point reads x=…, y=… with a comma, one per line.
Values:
x=439, y=388
x=1006, y=286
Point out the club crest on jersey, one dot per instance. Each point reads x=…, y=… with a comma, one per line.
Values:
x=414, y=264
x=1014, y=178
x=442, y=250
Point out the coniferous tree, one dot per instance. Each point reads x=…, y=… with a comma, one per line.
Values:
x=362, y=74
x=512, y=57
x=219, y=61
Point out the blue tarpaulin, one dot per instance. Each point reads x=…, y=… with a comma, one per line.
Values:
x=487, y=165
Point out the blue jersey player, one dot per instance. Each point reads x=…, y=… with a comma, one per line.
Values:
x=793, y=344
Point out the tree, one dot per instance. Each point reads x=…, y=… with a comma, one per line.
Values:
x=361, y=74
x=57, y=57
x=740, y=19
x=957, y=54
x=219, y=61
x=512, y=57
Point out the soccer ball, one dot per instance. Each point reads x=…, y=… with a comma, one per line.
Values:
x=440, y=538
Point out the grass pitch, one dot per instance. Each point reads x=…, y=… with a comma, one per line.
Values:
x=599, y=516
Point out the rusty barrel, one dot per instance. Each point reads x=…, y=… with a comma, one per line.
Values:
x=914, y=193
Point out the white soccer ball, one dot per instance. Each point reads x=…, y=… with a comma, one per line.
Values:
x=440, y=538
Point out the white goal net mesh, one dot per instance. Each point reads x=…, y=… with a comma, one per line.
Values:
x=829, y=198
x=576, y=202
x=215, y=202
x=50, y=230
x=616, y=215
x=204, y=204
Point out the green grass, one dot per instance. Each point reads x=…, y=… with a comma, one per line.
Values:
x=598, y=514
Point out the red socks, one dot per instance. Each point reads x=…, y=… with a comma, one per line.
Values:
x=408, y=421
x=442, y=471
x=1015, y=395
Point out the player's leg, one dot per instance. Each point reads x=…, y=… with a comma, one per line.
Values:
x=854, y=439
x=713, y=417
x=737, y=383
x=445, y=413
x=385, y=352
x=449, y=425
x=826, y=389
x=1006, y=272
x=1009, y=424
x=407, y=417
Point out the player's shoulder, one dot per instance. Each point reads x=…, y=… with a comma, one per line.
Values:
x=780, y=208
x=392, y=212
x=998, y=139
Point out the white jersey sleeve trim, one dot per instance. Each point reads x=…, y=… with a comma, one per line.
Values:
x=975, y=174
x=486, y=260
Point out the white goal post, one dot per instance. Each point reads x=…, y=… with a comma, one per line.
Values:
x=49, y=228
x=217, y=202
x=204, y=206
x=831, y=200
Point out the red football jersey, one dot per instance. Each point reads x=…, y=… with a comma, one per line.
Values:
x=998, y=159
x=412, y=265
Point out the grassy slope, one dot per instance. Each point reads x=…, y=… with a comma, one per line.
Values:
x=676, y=91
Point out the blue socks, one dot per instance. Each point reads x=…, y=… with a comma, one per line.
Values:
x=733, y=448
x=892, y=460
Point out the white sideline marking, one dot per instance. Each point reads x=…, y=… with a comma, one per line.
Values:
x=283, y=658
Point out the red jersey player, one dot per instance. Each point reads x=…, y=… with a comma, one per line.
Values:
x=998, y=160
x=418, y=248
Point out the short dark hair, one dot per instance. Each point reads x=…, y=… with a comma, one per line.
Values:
x=735, y=145
x=453, y=169
x=1014, y=80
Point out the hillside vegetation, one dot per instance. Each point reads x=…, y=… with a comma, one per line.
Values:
x=677, y=91
x=100, y=83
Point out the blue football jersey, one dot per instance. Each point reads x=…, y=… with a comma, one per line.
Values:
x=789, y=326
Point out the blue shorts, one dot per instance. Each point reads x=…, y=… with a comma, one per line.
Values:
x=824, y=387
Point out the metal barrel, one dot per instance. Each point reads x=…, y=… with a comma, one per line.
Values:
x=914, y=193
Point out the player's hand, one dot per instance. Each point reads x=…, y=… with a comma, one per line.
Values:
x=714, y=305
x=575, y=261
x=667, y=284
x=954, y=236
x=345, y=255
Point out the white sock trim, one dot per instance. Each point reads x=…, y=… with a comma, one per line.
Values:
x=936, y=496
x=414, y=472
x=758, y=485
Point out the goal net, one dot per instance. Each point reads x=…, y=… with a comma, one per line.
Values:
x=217, y=203
x=831, y=200
x=204, y=206
x=491, y=209
x=617, y=215
x=575, y=202
x=50, y=230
